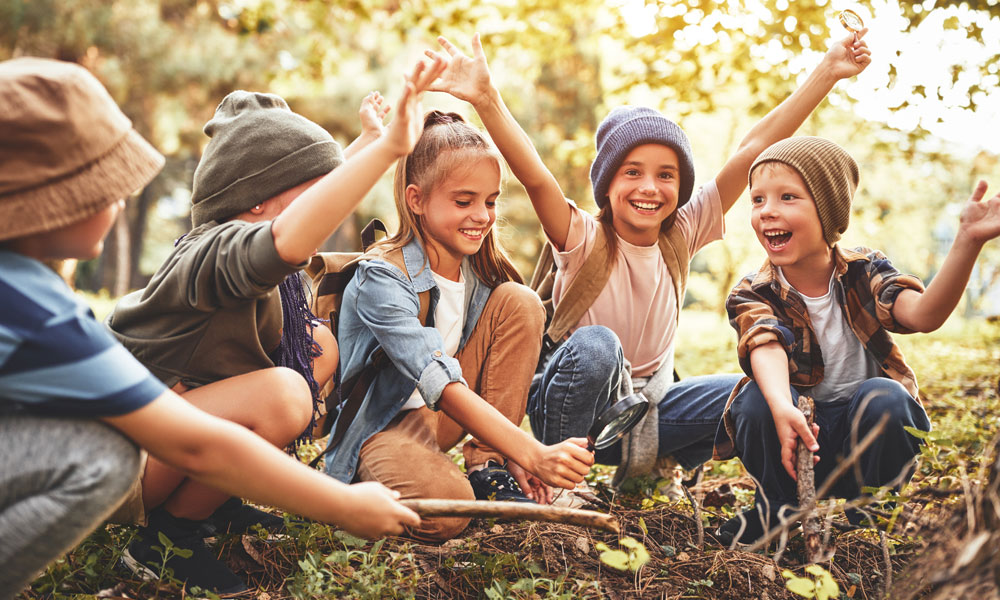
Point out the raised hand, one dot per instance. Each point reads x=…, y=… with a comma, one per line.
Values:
x=849, y=56
x=405, y=129
x=466, y=77
x=980, y=220
x=372, y=114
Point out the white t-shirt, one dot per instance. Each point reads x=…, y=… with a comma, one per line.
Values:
x=449, y=319
x=846, y=365
x=638, y=303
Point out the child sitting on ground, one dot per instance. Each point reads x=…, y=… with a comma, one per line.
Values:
x=226, y=313
x=815, y=320
x=74, y=402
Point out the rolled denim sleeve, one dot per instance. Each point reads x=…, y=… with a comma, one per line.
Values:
x=388, y=305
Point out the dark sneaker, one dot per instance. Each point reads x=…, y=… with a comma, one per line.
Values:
x=235, y=517
x=494, y=482
x=753, y=531
x=195, y=564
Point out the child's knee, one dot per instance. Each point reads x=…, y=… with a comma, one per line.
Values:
x=103, y=459
x=596, y=344
x=286, y=400
x=520, y=300
x=885, y=396
x=750, y=408
x=325, y=365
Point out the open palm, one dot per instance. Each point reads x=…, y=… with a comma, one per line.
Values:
x=980, y=220
x=465, y=77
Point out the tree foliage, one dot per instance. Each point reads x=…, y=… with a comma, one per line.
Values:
x=715, y=66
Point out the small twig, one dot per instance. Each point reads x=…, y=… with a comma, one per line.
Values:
x=513, y=510
x=697, y=509
x=806, y=482
x=839, y=470
x=887, y=581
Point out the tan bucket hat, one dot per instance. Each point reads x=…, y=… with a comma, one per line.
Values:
x=66, y=149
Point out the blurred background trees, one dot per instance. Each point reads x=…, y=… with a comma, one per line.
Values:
x=922, y=120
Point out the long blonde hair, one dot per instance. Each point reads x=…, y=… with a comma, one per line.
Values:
x=446, y=143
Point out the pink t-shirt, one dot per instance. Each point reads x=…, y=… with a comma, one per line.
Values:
x=639, y=303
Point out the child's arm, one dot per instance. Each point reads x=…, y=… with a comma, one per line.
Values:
x=373, y=110
x=846, y=58
x=468, y=78
x=223, y=454
x=315, y=214
x=978, y=224
x=770, y=371
x=563, y=464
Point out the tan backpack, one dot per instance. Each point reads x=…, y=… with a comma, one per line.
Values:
x=593, y=276
x=330, y=273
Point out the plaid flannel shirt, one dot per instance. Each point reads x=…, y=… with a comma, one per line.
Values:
x=762, y=309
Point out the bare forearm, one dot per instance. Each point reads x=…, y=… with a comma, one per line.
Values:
x=929, y=310
x=359, y=142
x=769, y=363
x=520, y=153
x=316, y=214
x=486, y=423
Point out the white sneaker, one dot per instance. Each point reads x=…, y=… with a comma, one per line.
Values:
x=578, y=497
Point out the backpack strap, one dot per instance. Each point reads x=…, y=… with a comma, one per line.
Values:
x=674, y=249
x=593, y=277
x=582, y=291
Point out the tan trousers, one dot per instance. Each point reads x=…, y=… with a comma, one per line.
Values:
x=497, y=361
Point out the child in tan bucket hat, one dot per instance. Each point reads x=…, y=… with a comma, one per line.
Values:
x=74, y=403
x=815, y=321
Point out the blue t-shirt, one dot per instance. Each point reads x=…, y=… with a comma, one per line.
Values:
x=55, y=358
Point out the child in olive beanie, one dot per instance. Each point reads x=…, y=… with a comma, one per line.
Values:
x=259, y=148
x=224, y=321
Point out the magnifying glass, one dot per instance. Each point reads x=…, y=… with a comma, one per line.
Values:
x=616, y=421
x=851, y=22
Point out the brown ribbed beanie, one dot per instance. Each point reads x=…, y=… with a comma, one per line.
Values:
x=259, y=149
x=828, y=171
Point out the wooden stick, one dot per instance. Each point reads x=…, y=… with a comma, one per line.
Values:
x=513, y=510
x=839, y=470
x=806, y=482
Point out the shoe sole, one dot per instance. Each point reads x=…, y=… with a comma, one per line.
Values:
x=137, y=568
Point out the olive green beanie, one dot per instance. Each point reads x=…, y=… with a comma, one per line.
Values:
x=259, y=149
x=827, y=170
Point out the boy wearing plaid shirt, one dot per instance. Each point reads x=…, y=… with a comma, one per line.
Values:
x=815, y=320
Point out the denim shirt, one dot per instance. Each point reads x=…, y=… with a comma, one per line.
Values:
x=381, y=308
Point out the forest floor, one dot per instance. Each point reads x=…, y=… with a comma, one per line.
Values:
x=673, y=555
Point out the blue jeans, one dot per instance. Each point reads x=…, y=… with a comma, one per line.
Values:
x=892, y=453
x=581, y=380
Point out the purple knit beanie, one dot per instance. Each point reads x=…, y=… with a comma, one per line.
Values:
x=627, y=127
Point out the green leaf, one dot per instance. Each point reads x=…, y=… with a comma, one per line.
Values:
x=164, y=540
x=616, y=559
x=826, y=587
x=802, y=586
x=917, y=433
x=816, y=570
x=642, y=526
x=183, y=552
x=601, y=546
x=631, y=543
